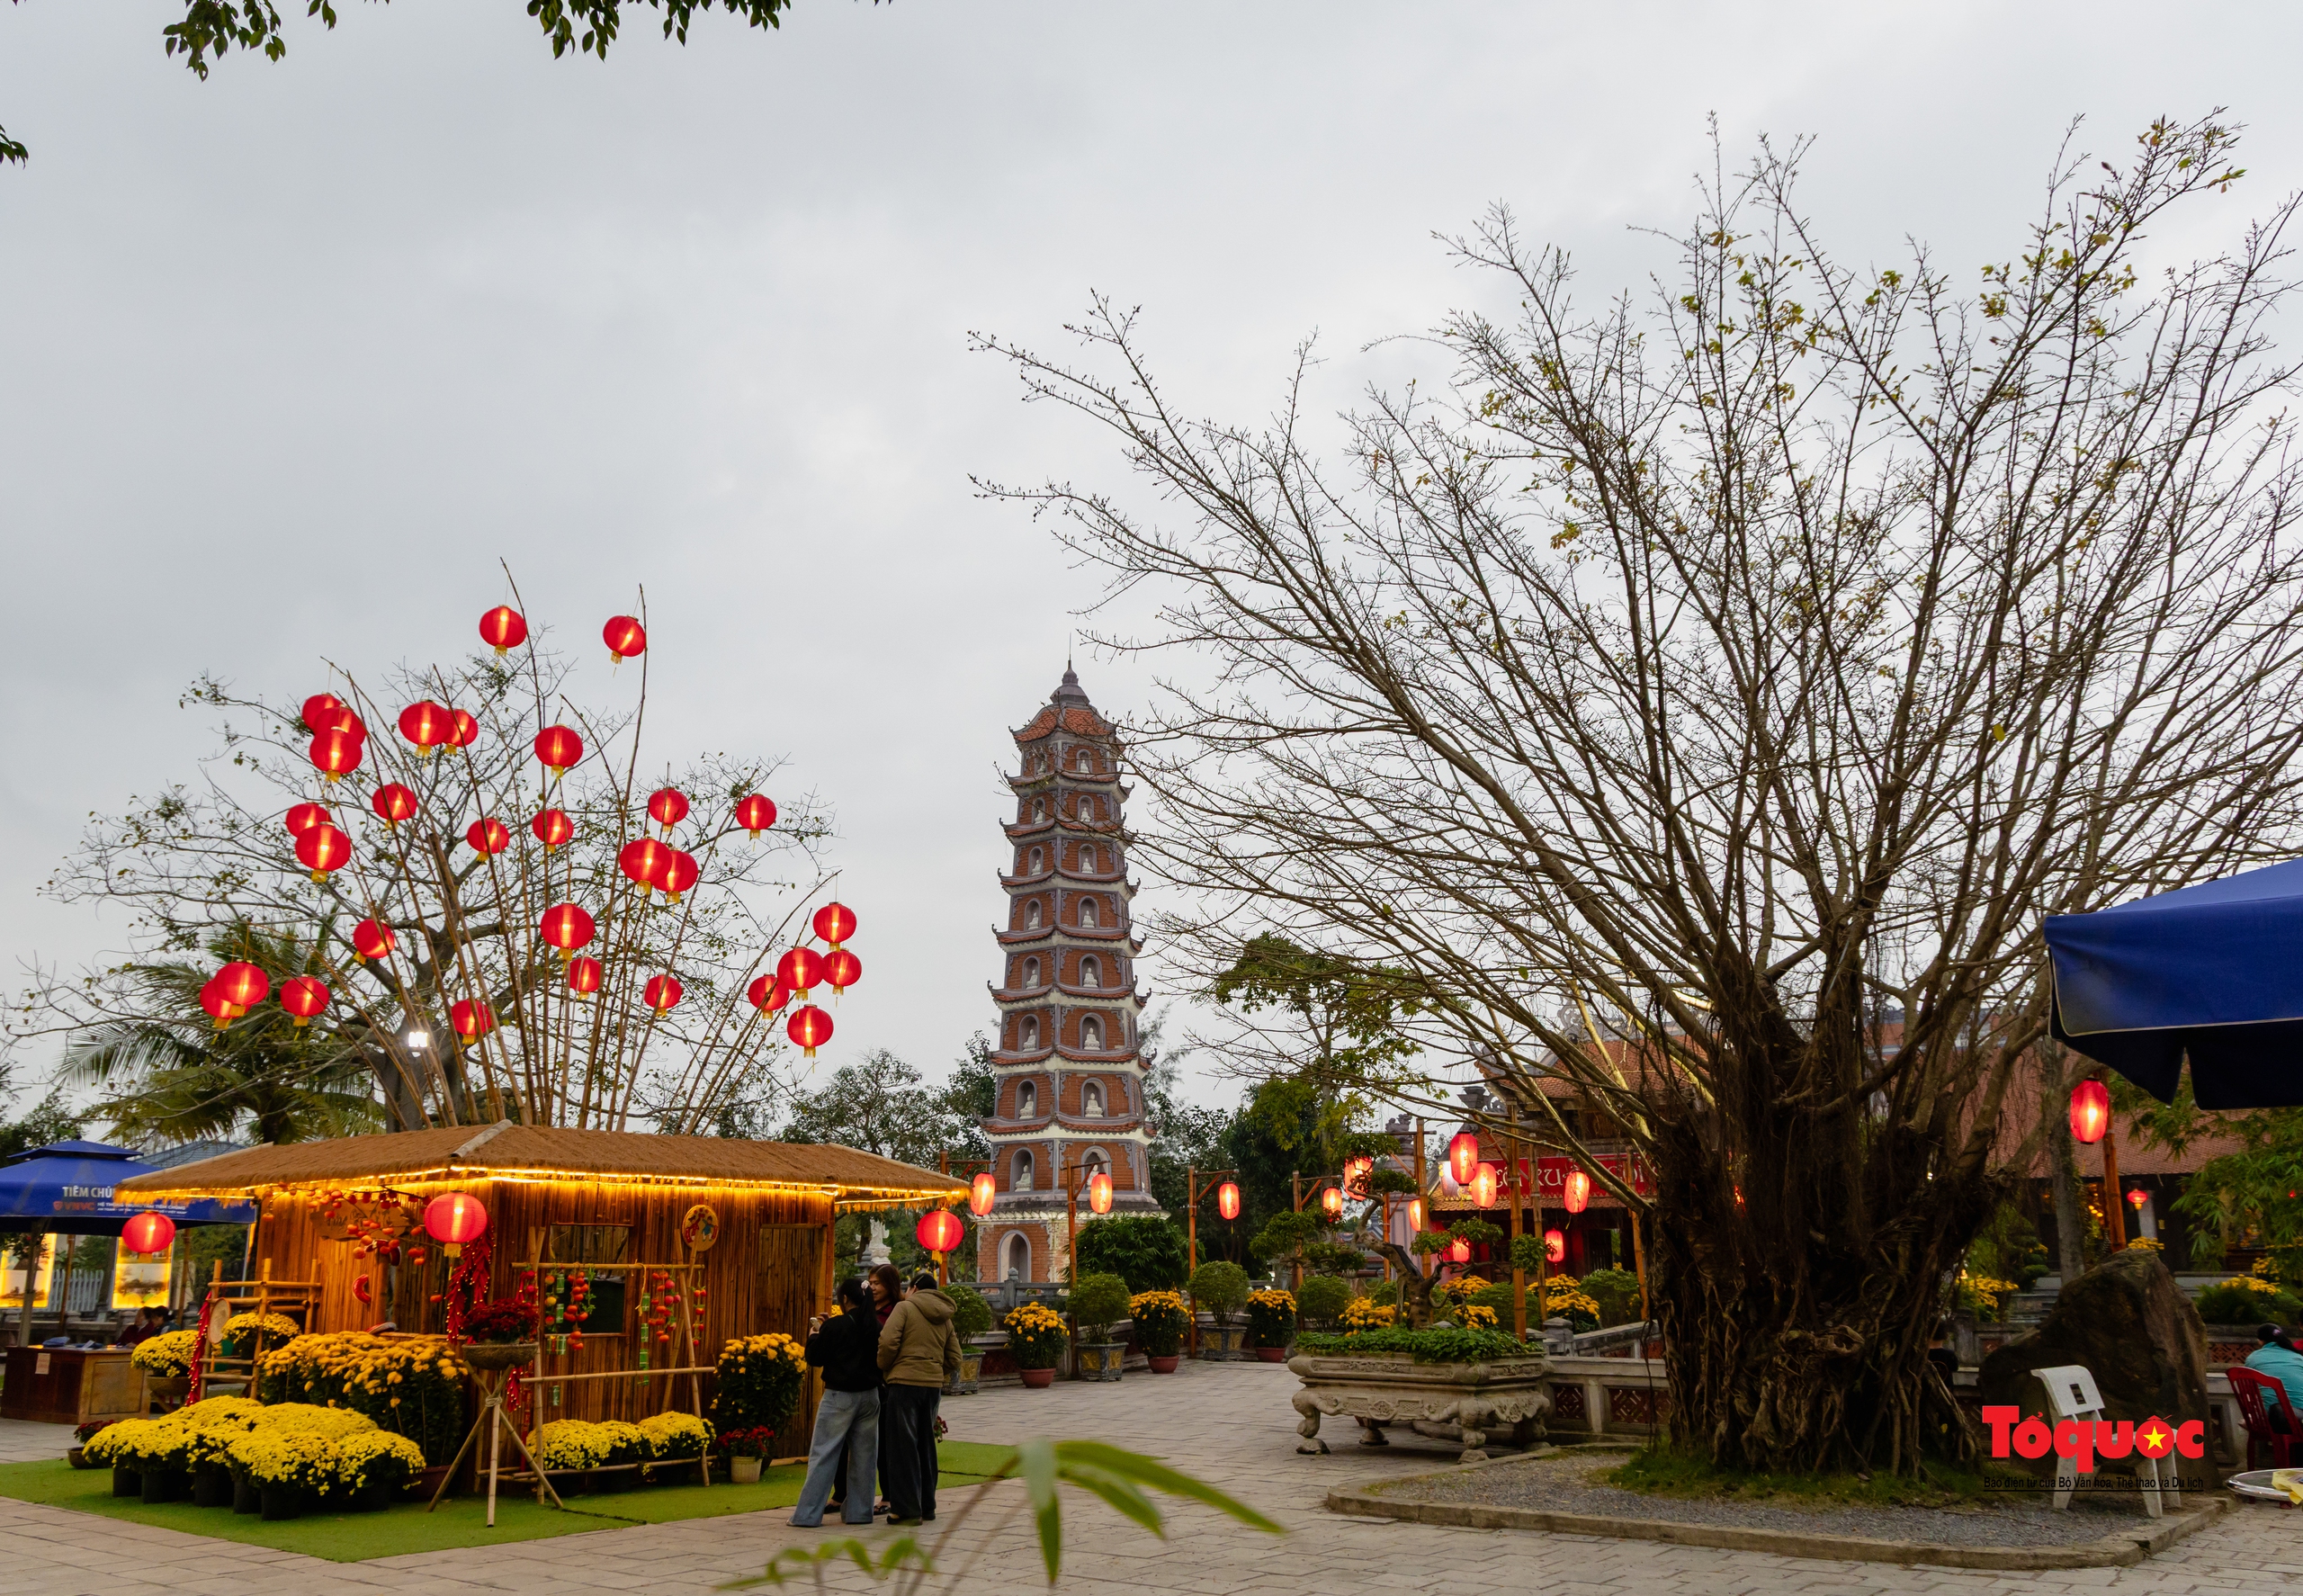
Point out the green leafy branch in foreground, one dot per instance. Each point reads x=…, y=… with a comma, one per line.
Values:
x=1120, y=1478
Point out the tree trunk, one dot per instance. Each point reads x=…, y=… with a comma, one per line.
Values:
x=2063, y=1167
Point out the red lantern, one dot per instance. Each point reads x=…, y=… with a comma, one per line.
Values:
x=1555, y=1246
x=552, y=828
x=371, y=940
x=2137, y=1198
x=1415, y=1214
x=583, y=976
x=1099, y=1192
x=662, y=992
x=679, y=874
x=801, y=969
x=503, y=629
x=842, y=969
x=325, y=712
x=243, y=985
x=767, y=994
x=212, y=998
x=323, y=849
x=1227, y=1199
x=626, y=639
x=557, y=748
x=810, y=1029
x=337, y=753
x=1332, y=1199
x=2091, y=1110
x=147, y=1233
x=303, y=817
x=644, y=860
x=454, y=1218
x=472, y=1020
x=939, y=1230
x=488, y=837
x=754, y=814
x=1483, y=1186
x=983, y=1192
x=462, y=729
x=835, y=923
x=1579, y=1191
x=426, y=724
x=1460, y=1252
x=668, y=807
x=565, y=927
x=1357, y=1173
x=393, y=803
x=303, y=997
x=1462, y=1157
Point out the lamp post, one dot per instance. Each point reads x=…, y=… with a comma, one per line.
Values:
x=1195, y=1194
x=1320, y=1185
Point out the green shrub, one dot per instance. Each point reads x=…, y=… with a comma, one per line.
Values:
x=1098, y=1302
x=1220, y=1287
x=1146, y=1250
x=971, y=1315
x=2243, y=1301
x=1617, y=1291
x=1446, y=1343
x=1384, y=1294
x=1321, y=1299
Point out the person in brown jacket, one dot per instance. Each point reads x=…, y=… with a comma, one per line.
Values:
x=920, y=1355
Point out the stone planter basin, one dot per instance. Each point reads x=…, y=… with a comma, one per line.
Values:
x=1504, y=1400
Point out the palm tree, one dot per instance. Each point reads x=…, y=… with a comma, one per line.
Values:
x=175, y=1077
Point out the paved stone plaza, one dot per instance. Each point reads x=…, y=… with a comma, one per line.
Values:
x=1229, y=1424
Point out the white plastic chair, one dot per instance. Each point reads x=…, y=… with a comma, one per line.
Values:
x=2072, y=1395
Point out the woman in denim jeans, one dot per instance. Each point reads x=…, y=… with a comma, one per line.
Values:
x=846, y=1346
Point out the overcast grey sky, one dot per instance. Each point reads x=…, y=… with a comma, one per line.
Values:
x=292, y=356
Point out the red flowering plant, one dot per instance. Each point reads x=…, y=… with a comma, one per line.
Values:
x=755, y=1442
x=506, y=1319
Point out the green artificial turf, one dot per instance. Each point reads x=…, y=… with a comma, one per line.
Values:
x=460, y=1520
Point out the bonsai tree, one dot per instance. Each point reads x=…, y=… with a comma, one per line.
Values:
x=1322, y=1299
x=1098, y=1302
x=1220, y=1287
x=1147, y=1250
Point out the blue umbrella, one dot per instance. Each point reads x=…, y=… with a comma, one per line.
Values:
x=66, y=1188
x=2212, y=973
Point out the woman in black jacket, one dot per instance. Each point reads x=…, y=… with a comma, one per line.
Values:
x=846, y=1346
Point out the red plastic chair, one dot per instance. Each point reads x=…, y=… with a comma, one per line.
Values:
x=2276, y=1435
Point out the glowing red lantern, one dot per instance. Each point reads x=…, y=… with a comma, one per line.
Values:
x=393, y=803
x=810, y=1029
x=1227, y=1199
x=303, y=997
x=488, y=837
x=1099, y=1193
x=801, y=969
x=1415, y=1214
x=1332, y=1199
x=371, y=940
x=462, y=729
x=754, y=814
x=2091, y=1110
x=842, y=969
x=662, y=992
x=426, y=724
x=211, y=1000
x=2137, y=1198
x=147, y=1233
x=565, y=927
x=557, y=748
x=243, y=985
x=1579, y=1191
x=644, y=860
x=680, y=872
x=325, y=712
x=551, y=828
x=454, y=1219
x=983, y=1192
x=337, y=753
x=668, y=807
x=303, y=817
x=503, y=629
x=1460, y=1252
x=835, y=923
x=939, y=1230
x=471, y=1020
x=1357, y=1173
x=625, y=637
x=584, y=976
x=323, y=849
x=1555, y=1246
x=1462, y=1157
x=1483, y=1186
x=767, y=994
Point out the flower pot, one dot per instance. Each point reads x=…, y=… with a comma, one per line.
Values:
x=211, y=1485
x=1272, y=1354
x=969, y=1380
x=127, y=1482
x=1162, y=1365
x=744, y=1471
x=373, y=1498
x=247, y=1497
x=499, y=1355
x=1037, y=1379
x=166, y=1484
x=427, y=1480
x=172, y=1388
x=1100, y=1360
x=1220, y=1343
x=281, y=1502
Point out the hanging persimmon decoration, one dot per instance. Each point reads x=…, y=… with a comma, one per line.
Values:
x=810, y=1029
x=754, y=814
x=488, y=837
x=668, y=807
x=558, y=749
x=426, y=724
x=565, y=927
x=323, y=849
x=303, y=997
x=371, y=940
x=472, y=1020
x=552, y=828
x=584, y=976
x=842, y=969
x=800, y=970
x=835, y=923
x=662, y=993
x=503, y=629
x=680, y=872
x=303, y=817
x=336, y=754
x=625, y=637
x=393, y=803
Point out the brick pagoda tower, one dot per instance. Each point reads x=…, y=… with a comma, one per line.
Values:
x=1071, y=1077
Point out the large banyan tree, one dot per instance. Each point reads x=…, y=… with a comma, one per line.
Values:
x=1741, y=673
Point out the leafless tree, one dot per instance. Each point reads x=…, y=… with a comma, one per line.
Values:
x=1742, y=672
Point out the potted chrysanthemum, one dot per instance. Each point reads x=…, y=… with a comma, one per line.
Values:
x=1037, y=1340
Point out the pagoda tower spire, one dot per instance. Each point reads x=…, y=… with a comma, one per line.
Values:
x=1068, y=1061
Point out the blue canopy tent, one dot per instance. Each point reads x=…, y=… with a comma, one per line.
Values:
x=2213, y=972
x=66, y=1189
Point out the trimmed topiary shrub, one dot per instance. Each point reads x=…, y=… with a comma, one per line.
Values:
x=971, y=1315
x=1098, y=1302
x=1321, y=1300
x=1220, y=1287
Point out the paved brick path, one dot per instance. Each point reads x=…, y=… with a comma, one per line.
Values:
x=1229, y=1424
